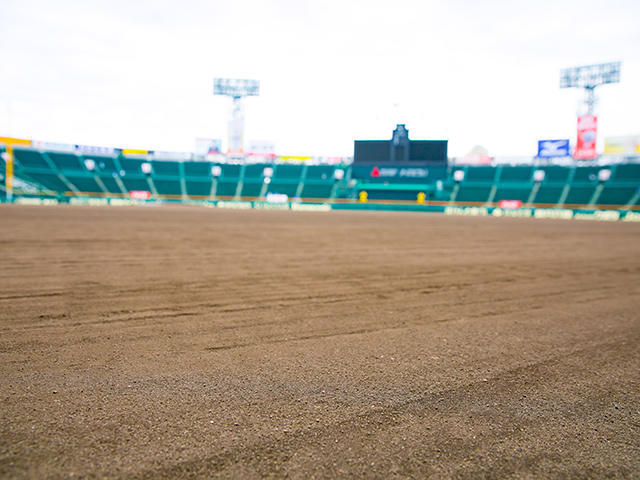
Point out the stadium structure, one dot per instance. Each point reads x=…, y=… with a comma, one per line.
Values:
x=399, y=174
x=120, y=176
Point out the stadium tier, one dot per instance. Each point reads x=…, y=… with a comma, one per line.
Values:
x=65, y=174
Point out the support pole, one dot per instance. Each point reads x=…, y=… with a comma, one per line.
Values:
x=8, y=174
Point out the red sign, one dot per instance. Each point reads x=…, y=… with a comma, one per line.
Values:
x=375, y=172
x=140, y=194
x=587, y=135
x=510, y=204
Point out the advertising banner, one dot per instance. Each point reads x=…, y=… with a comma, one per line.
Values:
x=60, y=147
x=553, y=148
x=93, y=150
x=626, y=145
x=587, y=135
x=207, y=146
x=140, y=194
x=134, y=151
x=397, y=173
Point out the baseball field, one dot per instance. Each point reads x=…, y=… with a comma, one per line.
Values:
x=175, y=342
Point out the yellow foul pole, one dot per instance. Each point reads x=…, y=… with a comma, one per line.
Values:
x=8, y=161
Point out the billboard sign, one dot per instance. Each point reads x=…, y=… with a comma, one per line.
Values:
x=60, y=147
x=510, y=204
x=587, y=135
x=553, y=148
x=208, y=146
x=93, y=150
x=625, y=145
x=140, y=194
x=397, y=173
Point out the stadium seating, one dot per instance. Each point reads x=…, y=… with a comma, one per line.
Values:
x=316, y=190
x=165, y=168
x=198, y=188
x=131, y=183
x=131, y=166
x=168, y=187
x=616, y=195
x=69, y=174
x=627, y=173
x=197, y=169
x=65, y=161
x=548, y=195
x=226, y=189
x=580, y=195
x=512, y=193
x=480, y=174
x=515, y=174
x=85, y=184
x=472, y=194
x=30, y=159
x=110, y=184
x=288, y=188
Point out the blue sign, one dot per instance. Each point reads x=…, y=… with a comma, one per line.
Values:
x=553, y=148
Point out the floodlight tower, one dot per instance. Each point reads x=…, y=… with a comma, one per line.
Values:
x=237, y=89
x=588, y=78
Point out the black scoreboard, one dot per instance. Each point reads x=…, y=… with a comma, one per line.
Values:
x=401, y=150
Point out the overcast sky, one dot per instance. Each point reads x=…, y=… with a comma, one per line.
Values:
x=139, y=74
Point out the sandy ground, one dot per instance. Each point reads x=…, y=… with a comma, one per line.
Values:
x=190, y=342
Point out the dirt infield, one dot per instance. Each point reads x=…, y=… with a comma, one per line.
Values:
x=193, y=342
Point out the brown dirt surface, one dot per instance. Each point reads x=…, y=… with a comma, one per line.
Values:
x=191, y=342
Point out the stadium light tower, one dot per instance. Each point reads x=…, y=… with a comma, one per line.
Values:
x=237, y=89
x=588, y=78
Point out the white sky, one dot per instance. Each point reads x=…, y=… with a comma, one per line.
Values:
x=139, y=74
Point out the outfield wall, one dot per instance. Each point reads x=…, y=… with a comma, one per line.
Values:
x=497, y=212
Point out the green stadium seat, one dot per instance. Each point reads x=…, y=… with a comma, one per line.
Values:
x=616, y=195
x=287, y=188
x=49, y=181
x=288, y=171
x=103, y=164
x=516, y=174
x=84, y=184
x=555, y=174
x=165, y=168
x=320, y=172
x=226, y=189
x=251, y=189
x=135, y=184
x=110, y=184
x=472, y=193
x=132, y=165
x=30, y=159
x=480, y=174
x=255, y=171
x=198, y=188
x=167, y=187
x=548, y=195
x=230, y=171
x=66, y=161
x=627, y=173
x=197, y=169
x=579, y=195
x=317, y=190
x=506, y=193
x=586, y=174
